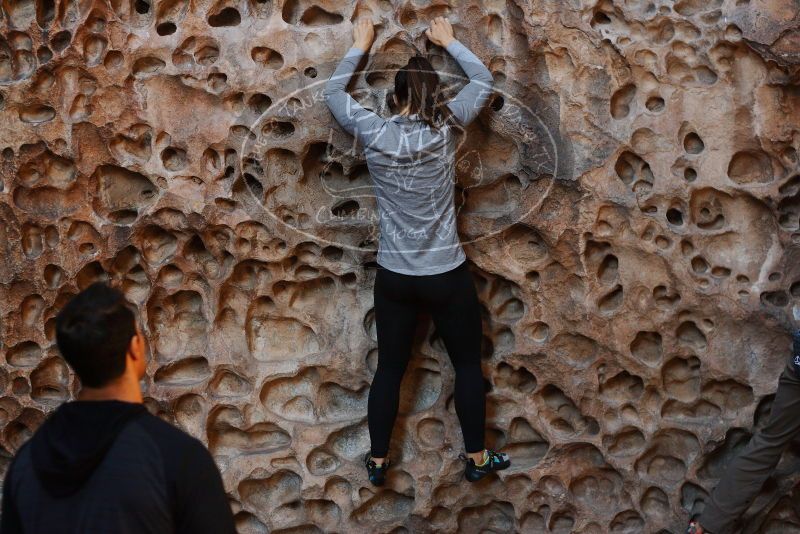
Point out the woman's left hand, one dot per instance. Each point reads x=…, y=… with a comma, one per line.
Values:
x=363, y=34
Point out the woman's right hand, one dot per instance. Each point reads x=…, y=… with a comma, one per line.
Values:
x=363, y=34
x=441, y=32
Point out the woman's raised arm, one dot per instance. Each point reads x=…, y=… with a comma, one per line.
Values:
x=355, y=119
x=470, y=100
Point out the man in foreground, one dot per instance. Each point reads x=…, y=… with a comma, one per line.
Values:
x=102, y=463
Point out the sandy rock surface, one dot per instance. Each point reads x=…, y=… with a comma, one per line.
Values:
x=629, y=202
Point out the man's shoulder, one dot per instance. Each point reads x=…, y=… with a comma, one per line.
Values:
x=168, y=435
x=20, y=462
x=185, y=458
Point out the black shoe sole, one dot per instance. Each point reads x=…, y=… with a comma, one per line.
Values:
x=483, y=474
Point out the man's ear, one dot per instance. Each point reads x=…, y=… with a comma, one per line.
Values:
x=137, y=351
x=134, y=347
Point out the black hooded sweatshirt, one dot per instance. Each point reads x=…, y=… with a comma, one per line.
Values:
x=112, y=467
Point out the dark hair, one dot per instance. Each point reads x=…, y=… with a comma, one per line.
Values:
x=417, y=84
x=93, y=332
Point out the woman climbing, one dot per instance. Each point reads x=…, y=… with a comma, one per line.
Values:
x=421, y=263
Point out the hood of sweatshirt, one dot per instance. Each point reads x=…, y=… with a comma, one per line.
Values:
x=74, y=440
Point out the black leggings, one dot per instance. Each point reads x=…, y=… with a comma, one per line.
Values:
x=453, y=304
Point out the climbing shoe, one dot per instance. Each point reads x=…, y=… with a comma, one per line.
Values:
x=494, y=461
x=376, y=473
x=695, y=528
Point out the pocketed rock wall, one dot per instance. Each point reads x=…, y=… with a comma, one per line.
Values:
x=629, y=203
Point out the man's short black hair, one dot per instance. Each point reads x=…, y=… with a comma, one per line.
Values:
x=93, y=332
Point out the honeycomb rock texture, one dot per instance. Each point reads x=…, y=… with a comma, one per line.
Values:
x=629, y=201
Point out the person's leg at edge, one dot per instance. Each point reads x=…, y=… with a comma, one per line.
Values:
x=747, y=473
x=456, y=314
x=395, y=323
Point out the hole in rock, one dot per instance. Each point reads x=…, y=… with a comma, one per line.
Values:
x=612, y=301
x=621, y=101
x=689, y=334
x=25, y=354
x=497, y=103
x=794, y=289
x=705, y=76
x=113, y=59
x=174, y=159
x=750, y=166
x=345, y=209
x=540, y=332
x=147, y=65
x=60, y=40
x=254, y=186
x=44, y=54
x=699, y=265
x=316, y=16
x=278, y=128
x=207, y=55
x=776, y=298
x=791, y=186
x=601, y=18
x=655, y=103
x=515, y=379
x=20, y=386
x=607, y=272
x=37, y=113
x=631, y=168
x=229, y=16
x=166, y=28
x=183, y=372
x=45, y=12
x=259, y=102
x=674, y=216
x=647, y=347
x=312, y=16
x=693, y=144
x=267, y=56
x=720, y=272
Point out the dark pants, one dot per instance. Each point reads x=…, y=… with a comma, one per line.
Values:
x=746, y=474
x=452, y=301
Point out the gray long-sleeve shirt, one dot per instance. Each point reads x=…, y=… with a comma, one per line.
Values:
x=412, y=167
